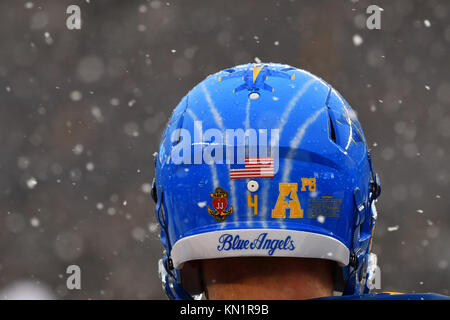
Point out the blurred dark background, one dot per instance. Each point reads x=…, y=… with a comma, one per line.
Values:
x=82, y=111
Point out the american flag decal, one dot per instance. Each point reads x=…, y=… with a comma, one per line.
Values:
x=254, y=168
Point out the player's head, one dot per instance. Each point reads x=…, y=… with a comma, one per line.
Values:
x=265, y=160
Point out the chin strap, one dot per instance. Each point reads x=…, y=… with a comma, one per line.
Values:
x=372, y=273
x=170, y=284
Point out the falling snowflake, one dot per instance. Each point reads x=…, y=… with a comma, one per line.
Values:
x=48, y=38
x=138, y=234
x=35, y=222
x=142, y=8
x=31, y=183
x=90, y=166
x=393, y=228
x=76, y=95
x=78, y=149
x=146, y=187
x=201, y=204
x=153, y=227
x=357, y=40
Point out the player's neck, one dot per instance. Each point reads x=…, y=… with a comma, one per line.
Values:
x=262, y=278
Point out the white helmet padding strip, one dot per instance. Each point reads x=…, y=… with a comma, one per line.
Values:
x=258, y=242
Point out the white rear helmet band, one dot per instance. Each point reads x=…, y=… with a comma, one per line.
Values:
x=258, y=242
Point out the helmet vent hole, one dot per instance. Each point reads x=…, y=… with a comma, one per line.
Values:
x=332, y=131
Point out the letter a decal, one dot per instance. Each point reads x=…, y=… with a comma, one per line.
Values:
x=287, y=200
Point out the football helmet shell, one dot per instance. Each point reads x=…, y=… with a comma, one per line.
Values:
x=265, y=160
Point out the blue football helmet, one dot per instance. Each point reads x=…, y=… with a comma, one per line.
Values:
x=265, y=160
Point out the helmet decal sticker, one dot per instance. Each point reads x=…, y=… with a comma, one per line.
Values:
x=287, y=199
x=220, y=203
x=310, y=183
x=357, y=135
x=254, y=167
x=229, y=242
x=255, y=77
x=253, y=204
x=326, y=206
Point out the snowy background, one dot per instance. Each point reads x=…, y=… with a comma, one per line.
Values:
x=82, y=111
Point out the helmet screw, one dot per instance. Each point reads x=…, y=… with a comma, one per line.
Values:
x=375, y=189
x=169, y=264
x=253, y=186
x=353, y=260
